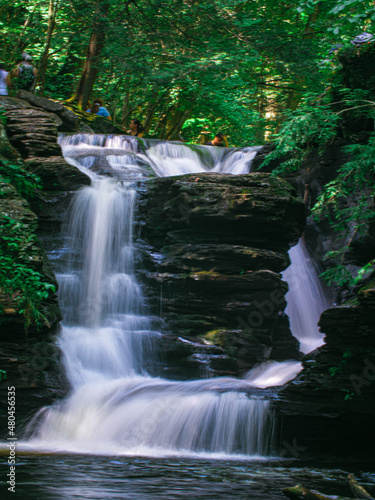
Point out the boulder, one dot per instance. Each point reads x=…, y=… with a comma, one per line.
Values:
x=216, y=245
x=332, y=402
x=56, y=174
x=253, y=209
x=33, y=134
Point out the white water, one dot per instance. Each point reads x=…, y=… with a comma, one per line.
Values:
x=273, y=373
x=114, y=406
x=306, y=298
x=164, y=158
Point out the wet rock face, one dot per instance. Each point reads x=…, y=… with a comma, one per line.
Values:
x=30, y=358
x=29, y=253
x=218, y=243
x=33, y=366
x=333, y=400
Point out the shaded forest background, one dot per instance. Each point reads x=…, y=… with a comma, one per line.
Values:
x=184, y=65
x=257, y=70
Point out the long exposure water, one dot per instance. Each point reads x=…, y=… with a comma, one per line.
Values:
x=115, y=408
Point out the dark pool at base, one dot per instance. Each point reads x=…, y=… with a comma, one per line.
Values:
x=61, y=477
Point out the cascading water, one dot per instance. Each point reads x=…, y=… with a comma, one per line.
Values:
x=306, y=298
x=164, y=158
x=114, y=405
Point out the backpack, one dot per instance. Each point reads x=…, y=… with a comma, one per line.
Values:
x=26, y=77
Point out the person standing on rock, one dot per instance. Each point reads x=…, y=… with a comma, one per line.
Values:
x=25, y=73
x=4, y=80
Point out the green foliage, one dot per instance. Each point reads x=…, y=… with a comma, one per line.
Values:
x=2, y=117
x=3, y=375
x=313, y=124
x=23, y=181
x=335, y=370
x=26, y=287
x=355, y=179
x=19, y=282
x=234, y=64
x=348, y=394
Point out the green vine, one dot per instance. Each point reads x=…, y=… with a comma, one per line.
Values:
x=335, y=370
x=20, y=284
x=24, y=286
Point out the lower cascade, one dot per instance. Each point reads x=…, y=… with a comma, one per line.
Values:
x=107, y=339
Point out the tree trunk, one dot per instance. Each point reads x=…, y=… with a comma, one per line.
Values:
x=300, y=493
x=41, y=75
x=180, y=119
x=94, y=50
x=126, y=109
x=150, y=111
x=357, y=489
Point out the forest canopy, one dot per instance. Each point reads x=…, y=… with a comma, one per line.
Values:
x=183, y=65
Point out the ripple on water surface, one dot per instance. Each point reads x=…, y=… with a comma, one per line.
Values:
x=62, y=477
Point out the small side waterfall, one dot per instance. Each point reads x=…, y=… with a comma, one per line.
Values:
x=114, y=406
x=306, y=298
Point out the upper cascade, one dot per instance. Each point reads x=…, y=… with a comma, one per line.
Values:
x=164, y=159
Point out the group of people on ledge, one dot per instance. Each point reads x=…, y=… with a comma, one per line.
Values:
x=23, y=77
x=136, y=129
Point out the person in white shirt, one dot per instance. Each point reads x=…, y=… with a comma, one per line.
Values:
x=4, y=80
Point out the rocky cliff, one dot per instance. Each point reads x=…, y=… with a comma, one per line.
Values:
x=217, y=245
x=28, y=144
x=330, y=407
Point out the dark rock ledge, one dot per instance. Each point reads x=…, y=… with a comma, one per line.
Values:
x=330, y=407
x=217, y=243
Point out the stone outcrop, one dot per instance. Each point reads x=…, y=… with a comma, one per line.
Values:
x=33, y=133
x=218, y=243
x=27, y=350
x=29, y=253
x=29, y=357
x=71, y=119
x=330, y=406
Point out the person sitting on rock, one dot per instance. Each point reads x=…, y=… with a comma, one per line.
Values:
x=98, y=109
x=25, y=73
x=135, y=128
x=218, y=141
x=4, y=80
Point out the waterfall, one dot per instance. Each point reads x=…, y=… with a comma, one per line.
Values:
x=164, y=159
x=107, y=340
x=306, y=298
x=115, y=406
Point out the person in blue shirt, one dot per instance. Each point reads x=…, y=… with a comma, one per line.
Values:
x=98, y=109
